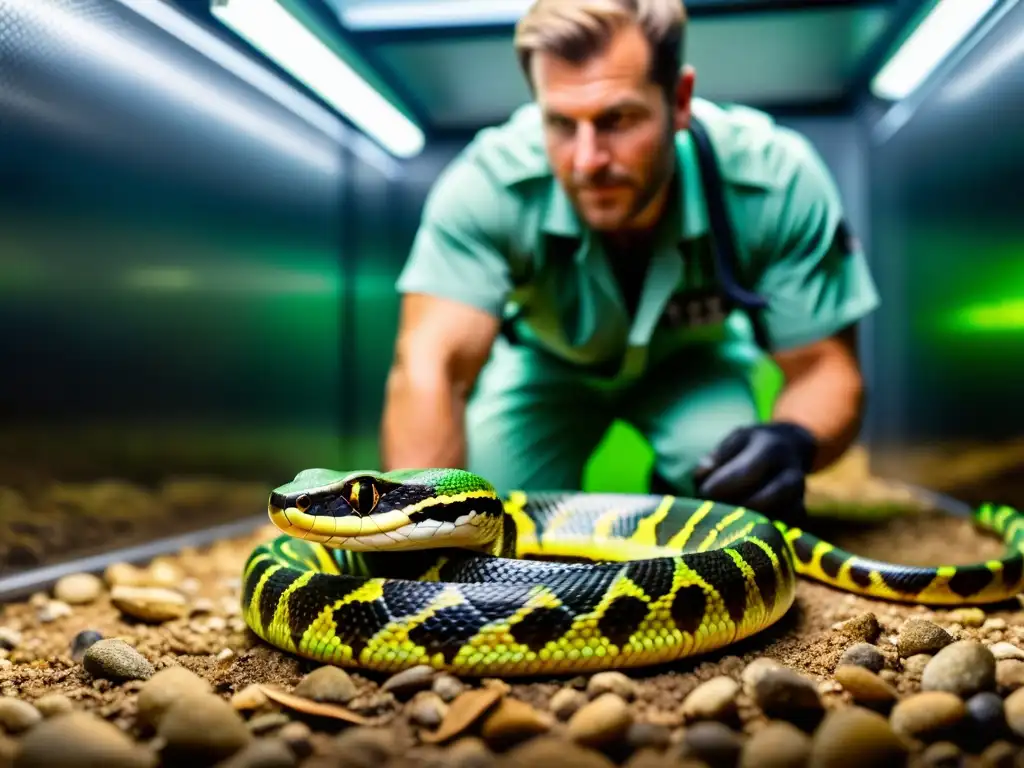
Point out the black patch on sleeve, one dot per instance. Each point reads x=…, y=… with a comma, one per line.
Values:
x=764, y=571
x=622, y=619
x=688, y=607
x=720, y=571
x=541, y=626
x=970, y=580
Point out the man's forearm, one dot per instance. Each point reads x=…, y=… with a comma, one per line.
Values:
x=826, y=398
x=423, y=423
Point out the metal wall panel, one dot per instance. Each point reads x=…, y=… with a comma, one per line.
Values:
x=949, y=246
x=170, y=285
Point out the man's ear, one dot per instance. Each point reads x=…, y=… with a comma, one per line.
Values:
x=684, y=97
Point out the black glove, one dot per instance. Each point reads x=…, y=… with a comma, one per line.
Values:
x=762, y=467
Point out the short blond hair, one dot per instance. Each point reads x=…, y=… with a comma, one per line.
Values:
x=576, y=30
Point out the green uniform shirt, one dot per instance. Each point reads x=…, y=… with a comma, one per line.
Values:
x=498, y=233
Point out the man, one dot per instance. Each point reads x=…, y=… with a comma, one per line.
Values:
x=564, y=275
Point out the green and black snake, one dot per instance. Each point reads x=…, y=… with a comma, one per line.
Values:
x=385, y=571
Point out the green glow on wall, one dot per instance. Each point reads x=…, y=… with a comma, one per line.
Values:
x=997, y=316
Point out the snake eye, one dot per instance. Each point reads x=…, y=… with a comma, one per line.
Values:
x=302, y=503
x=363, y=495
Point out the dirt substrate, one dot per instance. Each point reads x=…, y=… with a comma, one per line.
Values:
x=232, y=711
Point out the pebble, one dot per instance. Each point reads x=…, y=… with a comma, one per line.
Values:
x=161, y=690
x=995, y=623
x=553, y=752
x=1006, y=651
x=863, y=655
x=249, y=698
x=965, y=668
x=298, y=736
x=17, y=716
x=914, y=665
x=53, y=704
x=611, y=682
x=925, y=715
x=942, y=754
x=1002, y=754
x=468, y=752
x=409, y=681
x=262, y=753
x=968, y=617
x=328, y=684
x=785, y=694
x=985, y=717
x=777, y=745
x=82, y=642
x=711, y=742
x=513, y=721
x=855, y=736
x=602, y=721
x=271, y=721
x=81, y=740
x=9, y=638
x=78, y=588
x=200, y=728
x=153, y=604
x=714, y=699
x=921, y=636
x=1013, y=710
x=754, y=671
x=115, y=660
x=865, y=686
x=53, y=610
x=373, y=745
x=643, y=735
x=566, y=702
x=447, y=687
x=1009, y=675
x=118, y=574
x=864, y=627
x=427, y=709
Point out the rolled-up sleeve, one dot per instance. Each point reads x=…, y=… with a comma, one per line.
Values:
x=460, y=251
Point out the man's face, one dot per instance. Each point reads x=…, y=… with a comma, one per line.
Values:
x=609, y=130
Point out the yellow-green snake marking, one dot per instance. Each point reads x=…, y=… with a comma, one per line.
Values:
x=384, y=571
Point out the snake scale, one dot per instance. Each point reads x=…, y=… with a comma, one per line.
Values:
x=385, y=571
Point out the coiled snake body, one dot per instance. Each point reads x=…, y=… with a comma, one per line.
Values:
x=386, y=571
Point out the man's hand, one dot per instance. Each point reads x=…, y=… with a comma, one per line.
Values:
x=762, y=467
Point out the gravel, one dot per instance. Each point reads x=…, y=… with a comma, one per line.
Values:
x=157, y=668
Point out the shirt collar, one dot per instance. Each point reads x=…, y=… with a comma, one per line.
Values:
x=690, y=218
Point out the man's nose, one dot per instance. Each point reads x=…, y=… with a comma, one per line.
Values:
x=589, y=156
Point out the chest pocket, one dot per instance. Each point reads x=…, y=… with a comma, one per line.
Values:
x=566, y=309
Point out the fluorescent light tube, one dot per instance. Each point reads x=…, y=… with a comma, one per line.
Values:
x=942, y=30
x=432, y=13
x=283, y=38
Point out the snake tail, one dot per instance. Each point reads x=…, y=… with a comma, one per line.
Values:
x=988, y=582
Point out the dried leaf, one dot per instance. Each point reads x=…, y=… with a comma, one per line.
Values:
x=465, y=710
x=310, y=707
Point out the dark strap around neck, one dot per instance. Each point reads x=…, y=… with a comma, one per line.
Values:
x=726, y=261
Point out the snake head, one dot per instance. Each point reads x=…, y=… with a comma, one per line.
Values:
x=404, y=509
